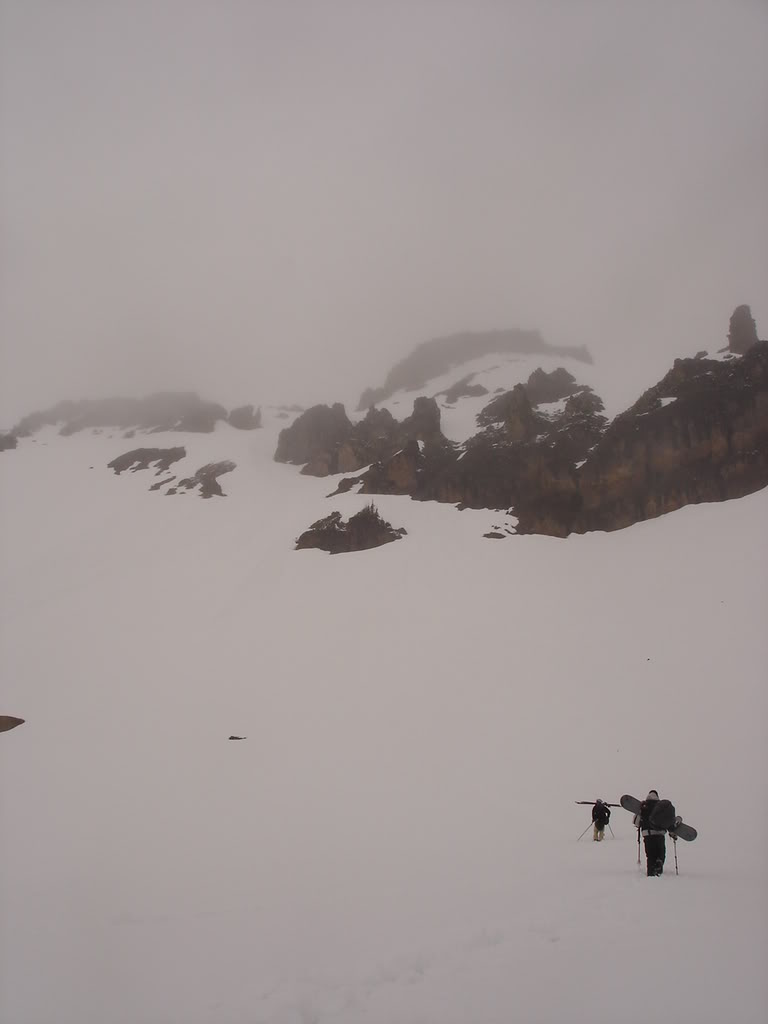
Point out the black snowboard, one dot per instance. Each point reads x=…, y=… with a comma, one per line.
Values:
x=630, y=803
x=679, y=829
x=683, y=831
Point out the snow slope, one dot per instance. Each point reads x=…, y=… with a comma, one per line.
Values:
x=395, y=841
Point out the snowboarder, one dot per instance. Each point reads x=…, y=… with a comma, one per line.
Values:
x=601, y=814
x=653, y=838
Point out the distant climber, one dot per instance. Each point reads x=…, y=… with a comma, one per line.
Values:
x=601, y=815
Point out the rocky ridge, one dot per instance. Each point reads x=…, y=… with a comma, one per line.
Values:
x=543, y=450
x=700, y=434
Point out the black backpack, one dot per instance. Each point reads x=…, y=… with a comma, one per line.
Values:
x=662, y=815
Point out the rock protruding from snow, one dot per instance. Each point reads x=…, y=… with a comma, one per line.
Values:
x=142, y=458
x=8, y=722
x=710, y=444
x=244, y=418
x=542, y=387
x=742, y=330
x=206, y=478
x=514, y=412
x=315, y=433
x=326, y=441
x=463, y=389
x=521, y=456
x=7, y=442
x=364, y=530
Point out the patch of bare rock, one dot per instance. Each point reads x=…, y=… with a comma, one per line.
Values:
x=8, y=722
x=364, y=530
x=142, y=458
x=463, y=388
x=205, y=480
x=325, y=441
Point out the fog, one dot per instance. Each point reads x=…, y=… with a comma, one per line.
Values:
x=270, y=201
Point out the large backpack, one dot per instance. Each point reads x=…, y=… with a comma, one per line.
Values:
x=662, y=815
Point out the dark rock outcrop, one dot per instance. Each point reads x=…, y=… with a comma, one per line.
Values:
x=424, y=422
x=142, y=458
x=519, y=454
x=8, y=722
x=206, y=478
x=314, y=436
x=364, y=530
x=701, y=434
x=542, y=387
x=433, y=358
x=327, y=442
x=7, y=442
x=513, y=411
x=244, y=418
x=742, y=330
x=463, y=389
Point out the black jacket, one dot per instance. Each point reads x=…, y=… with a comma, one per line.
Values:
x=601, y=814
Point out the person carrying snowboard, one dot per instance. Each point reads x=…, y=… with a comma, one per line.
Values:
x=601, y=814
x=653, y=838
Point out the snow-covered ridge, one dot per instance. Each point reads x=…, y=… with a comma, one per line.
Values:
x=493, y=372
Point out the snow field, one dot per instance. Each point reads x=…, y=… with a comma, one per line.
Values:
x=396, y=839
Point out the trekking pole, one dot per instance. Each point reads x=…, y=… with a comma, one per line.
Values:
x=589, y=826
x=674, y=841
x=611, y=831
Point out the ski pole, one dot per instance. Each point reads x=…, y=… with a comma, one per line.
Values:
x=674, y=842
x=589, y=826
x=638, y=844
x=611, y=830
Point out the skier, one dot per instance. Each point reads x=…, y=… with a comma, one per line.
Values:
x=653, y=838
x=601, y=814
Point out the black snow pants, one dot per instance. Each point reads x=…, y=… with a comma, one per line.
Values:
x=655, y=853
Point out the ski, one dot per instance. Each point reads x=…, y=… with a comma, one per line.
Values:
x=590, y=802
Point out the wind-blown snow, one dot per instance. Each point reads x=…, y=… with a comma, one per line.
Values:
x=395, y=842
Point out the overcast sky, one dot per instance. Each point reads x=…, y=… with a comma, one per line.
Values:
x=273, y=201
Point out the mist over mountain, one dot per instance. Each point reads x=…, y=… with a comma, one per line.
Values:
x=495, y=429
x=378, y=389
